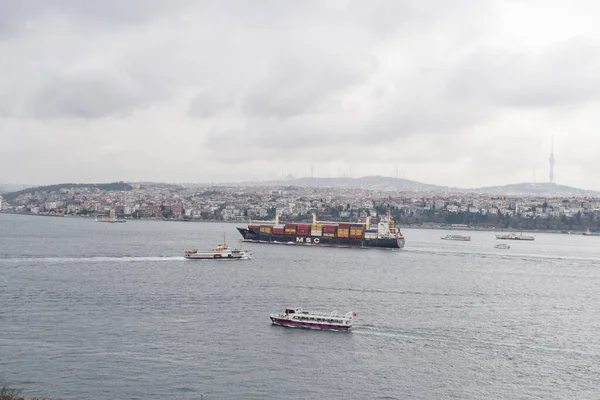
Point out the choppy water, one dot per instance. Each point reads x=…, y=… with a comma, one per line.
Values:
x=96, y=311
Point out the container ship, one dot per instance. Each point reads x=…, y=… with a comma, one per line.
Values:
x=385, y=235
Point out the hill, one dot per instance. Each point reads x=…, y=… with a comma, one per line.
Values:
x=12, y=187
x=406, y=185
x=52, y=188
x=370, y=182
x=537, y=189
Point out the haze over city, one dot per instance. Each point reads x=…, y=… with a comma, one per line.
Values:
x=464, y=94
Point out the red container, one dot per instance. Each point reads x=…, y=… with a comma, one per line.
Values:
x=344, y=226
x=277, y=231
x=303, y=226
x=254, y=227
x=329, y=228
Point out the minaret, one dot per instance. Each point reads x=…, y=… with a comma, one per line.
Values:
x=552, y=161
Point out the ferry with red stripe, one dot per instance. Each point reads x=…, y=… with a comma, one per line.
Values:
x=298, y=318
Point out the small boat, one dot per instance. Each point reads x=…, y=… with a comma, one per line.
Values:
x=502, y=246
x=298, y=318
x=110, y=219
x=591, y=233
x=457, y=237
x=221, y=252
x=514, y=236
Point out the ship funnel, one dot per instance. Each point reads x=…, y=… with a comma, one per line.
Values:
x=368, y=222
x=314, y=219
x=276, y=219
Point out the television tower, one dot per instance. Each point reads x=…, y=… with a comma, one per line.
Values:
x=551, y=159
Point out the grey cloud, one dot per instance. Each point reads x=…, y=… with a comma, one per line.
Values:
x=316, y=137
x=87, y=97
x=415, y=82
x=209, y=103
x=15, y=16
x=300, y=83
x=562, y=74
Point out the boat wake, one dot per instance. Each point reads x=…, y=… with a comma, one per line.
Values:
x=366, y=290
x=91, y=259
x=498, y=253
x=432, y=338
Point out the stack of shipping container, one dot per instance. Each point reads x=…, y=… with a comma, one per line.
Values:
x=303, y=229
x=342, y=230
x=356, y=231
x=316, y=230
x=290, y=229
x=329, y=230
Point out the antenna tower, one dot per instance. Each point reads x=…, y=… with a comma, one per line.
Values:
x=551, y=159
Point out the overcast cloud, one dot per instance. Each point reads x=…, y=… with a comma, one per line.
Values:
x=464, y=93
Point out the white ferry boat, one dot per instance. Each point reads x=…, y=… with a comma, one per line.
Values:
x=502, y=246
x=298, y=318
x=111, y=218
x=457, y=237
x=221, y=252
x=514, y=236
x=590, y=233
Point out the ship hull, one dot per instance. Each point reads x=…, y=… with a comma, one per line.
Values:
x=260, y=237
x=515, y=238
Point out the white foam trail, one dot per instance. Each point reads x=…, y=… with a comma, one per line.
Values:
x=434, y=338
x=93, y=259
x=498, y=254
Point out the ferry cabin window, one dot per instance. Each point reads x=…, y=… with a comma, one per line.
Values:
x=289, y=311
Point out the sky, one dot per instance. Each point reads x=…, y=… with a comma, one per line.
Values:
x=463, y=93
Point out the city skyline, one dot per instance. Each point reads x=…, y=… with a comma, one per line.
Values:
x=466, y=95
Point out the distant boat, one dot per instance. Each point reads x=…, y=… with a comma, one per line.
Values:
x=457, y=237
x=502, y=246
x=109, y=219
x=514, y=236
x=591, y=233
x=221, y=252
